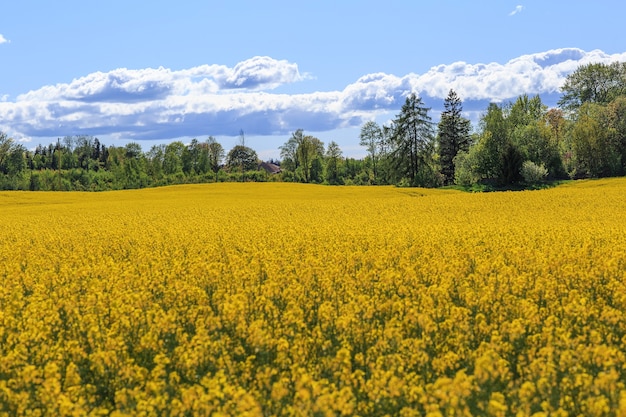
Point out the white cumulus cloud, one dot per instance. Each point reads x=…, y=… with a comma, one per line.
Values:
x=218, y=100
x=259, y=72
x=3, y=39
x=518, y=9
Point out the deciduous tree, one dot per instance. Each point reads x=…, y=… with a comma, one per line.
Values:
x=372, y=137
x=593, y=83
x=242, y=158
x=173, y=158
x=333, y=160
x=6, y=143
x=215, y=154
x=595, y=154
x=303, y=155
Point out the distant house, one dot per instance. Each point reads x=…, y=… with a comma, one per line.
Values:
x=270, y=168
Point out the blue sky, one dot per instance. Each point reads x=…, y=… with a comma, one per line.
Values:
x=162, y=71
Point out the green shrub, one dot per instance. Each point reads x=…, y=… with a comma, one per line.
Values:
x=533, y=173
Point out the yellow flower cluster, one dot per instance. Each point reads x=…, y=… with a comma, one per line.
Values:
x=285, y=299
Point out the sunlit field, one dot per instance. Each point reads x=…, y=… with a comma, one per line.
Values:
x=289, y=299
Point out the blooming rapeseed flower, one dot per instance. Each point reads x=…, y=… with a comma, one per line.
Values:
x=282, y=299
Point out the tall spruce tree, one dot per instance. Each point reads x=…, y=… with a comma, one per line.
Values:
x=412, y=140
x=453, y=136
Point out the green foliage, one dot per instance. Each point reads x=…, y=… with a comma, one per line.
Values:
x=453, y=135
x=615, y=119
x=288, y=152
x=492, y=142
x=332, y=174
x=510, y=134
x=412, y=142
x=596, y=153
x=510, y=165
x=303, y=156
x=242, y=158
x=372, y=138
x=466, y=168
x=82, y=163
x=173, y=158
x=533, y=173
x=6, y=145
x=593, y=83
x=214, y=154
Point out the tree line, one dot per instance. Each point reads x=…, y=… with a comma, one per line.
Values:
x=520, y=143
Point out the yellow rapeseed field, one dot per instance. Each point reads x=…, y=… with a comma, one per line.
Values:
x=287, y=299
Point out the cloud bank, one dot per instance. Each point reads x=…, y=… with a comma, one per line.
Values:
x=218, y=100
